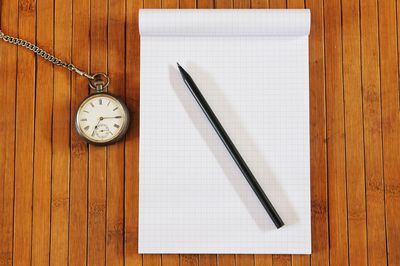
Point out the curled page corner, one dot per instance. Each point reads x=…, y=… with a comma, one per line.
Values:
x=224, y=22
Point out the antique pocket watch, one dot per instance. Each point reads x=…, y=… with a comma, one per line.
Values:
x=101, y=118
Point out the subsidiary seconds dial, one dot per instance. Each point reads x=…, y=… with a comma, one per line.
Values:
x=102, y=119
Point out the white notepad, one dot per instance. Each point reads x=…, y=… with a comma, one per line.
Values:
x=252, y=67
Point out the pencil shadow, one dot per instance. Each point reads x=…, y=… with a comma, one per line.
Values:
x=270, y=185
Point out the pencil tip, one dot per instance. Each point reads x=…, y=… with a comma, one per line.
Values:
x=178, y=64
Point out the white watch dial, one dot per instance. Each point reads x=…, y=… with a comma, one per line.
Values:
x=101, y=118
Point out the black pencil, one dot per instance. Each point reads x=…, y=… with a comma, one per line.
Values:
x=231, y=148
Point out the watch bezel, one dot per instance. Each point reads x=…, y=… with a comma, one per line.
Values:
x=123, y=130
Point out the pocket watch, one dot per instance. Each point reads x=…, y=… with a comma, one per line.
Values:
x=101, y=118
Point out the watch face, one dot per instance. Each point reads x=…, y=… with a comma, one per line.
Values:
x=102, y=119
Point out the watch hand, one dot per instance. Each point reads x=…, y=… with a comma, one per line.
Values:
x=111, y=117
x=95, y=127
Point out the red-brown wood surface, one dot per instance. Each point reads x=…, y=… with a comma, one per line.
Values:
x=65, y=202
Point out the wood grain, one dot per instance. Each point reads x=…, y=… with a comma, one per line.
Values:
x=390, y=104
x=78, y=204
x=373, y=134
x=65, y=202
x=170, y=260
x=8, y=75
x=24, y=142
x=43, y=138
x=61, y=136
x=335, y=135
x=97, y=187
x=357, y=231
x=116, y=153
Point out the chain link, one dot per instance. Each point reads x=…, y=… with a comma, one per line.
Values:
x=49, y=57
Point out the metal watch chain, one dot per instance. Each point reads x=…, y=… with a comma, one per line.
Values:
x=98, y=81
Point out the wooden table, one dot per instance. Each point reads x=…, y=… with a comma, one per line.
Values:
x=62, y=201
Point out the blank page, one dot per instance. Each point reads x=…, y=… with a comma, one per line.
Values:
x=252, y=68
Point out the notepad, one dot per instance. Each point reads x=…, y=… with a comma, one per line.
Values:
x=252, y=68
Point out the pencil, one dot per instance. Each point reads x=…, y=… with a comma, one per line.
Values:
x=212, y=118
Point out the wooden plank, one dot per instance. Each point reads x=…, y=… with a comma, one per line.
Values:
x=259, y=3
x=390, y=124
x=263, y=260
x=8, y=76
x=61, y=136
x=189, y=260
x=25, y=126
x=43, y=138
x=132, y=92
x=373, y=134
x=151, y=260
x=299, y=4
x=97, y=155
x=115, y=156
x=301, y=260
x=357, y=230
x=241, y=4
x=187, y=3
x=205, y=4
x=207, y=260
x=335, y=135
x=277, y=4
x=226, y=260
x=223, y=3
x=79, y=152
x=152, y=3
x=244, y=260
x=170, y=3
x=170, y=260
x=318, y=155
x=281, y=260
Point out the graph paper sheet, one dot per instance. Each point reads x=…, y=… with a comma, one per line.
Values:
x=252, y=67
